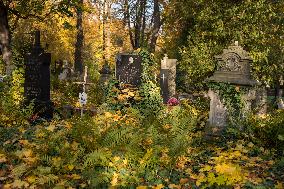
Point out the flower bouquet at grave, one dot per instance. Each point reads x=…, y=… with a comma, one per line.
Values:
x=173, y=102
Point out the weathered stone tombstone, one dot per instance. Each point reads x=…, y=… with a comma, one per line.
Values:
x=58, y=66
x=260, y=101
x=234, y=69
x=168, y=78
x=105, y=74
x=37, y=80
x=128, y=69
x=66, y=72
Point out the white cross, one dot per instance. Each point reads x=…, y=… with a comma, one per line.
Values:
x=163, y=77
x=83, y=95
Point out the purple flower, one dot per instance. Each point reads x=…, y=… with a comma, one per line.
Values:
x=173, y=102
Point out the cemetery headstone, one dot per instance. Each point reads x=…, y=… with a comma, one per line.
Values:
x=233, y=68
x=260, y=101
x=168, y=78
x=218, y=112
x=128, y=69
x=58, y=66
x=37, y=80
x=105, y=74
x=66, y=73
x=164, y=77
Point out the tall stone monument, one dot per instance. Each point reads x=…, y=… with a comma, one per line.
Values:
x=37, y=80
x=233, y=68
x=128, y=69
x=168, y=78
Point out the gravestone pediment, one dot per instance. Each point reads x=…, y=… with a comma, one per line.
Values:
x=233, y=67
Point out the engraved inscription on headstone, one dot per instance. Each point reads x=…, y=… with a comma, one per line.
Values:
x=37, y=77
x=128, y=69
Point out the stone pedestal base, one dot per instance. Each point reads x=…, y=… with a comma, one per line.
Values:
x=42, y=110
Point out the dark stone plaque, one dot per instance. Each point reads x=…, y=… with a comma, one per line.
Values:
x=129, y=69
x=37, y=80
x=164, y=76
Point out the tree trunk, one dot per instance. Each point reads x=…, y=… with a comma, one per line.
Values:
x=156, y=27
x=127, y=20
x=137, y=25
x=80, y=39
x=5, y=39
x=104, y=31
x=143, y=22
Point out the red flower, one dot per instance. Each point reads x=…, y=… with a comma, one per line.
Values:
x=173, y=102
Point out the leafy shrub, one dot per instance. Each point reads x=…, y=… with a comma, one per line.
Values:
x=269, y=130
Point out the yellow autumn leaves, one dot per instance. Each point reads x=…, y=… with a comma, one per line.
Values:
x=231, y=167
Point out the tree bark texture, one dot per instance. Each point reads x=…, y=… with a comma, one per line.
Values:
x=156, y=26
x=80, y=39
x=5, y=39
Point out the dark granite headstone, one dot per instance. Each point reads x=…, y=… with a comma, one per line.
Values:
x=37, y=80
x=129, y=69
x=164, y=76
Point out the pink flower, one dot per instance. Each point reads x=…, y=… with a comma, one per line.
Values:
x=173, y=102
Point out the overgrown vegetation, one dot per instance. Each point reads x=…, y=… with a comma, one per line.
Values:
x=134, y=140
x=122, y=147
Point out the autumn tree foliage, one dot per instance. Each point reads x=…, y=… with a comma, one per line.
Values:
x=198, y=30
x=13, y=10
